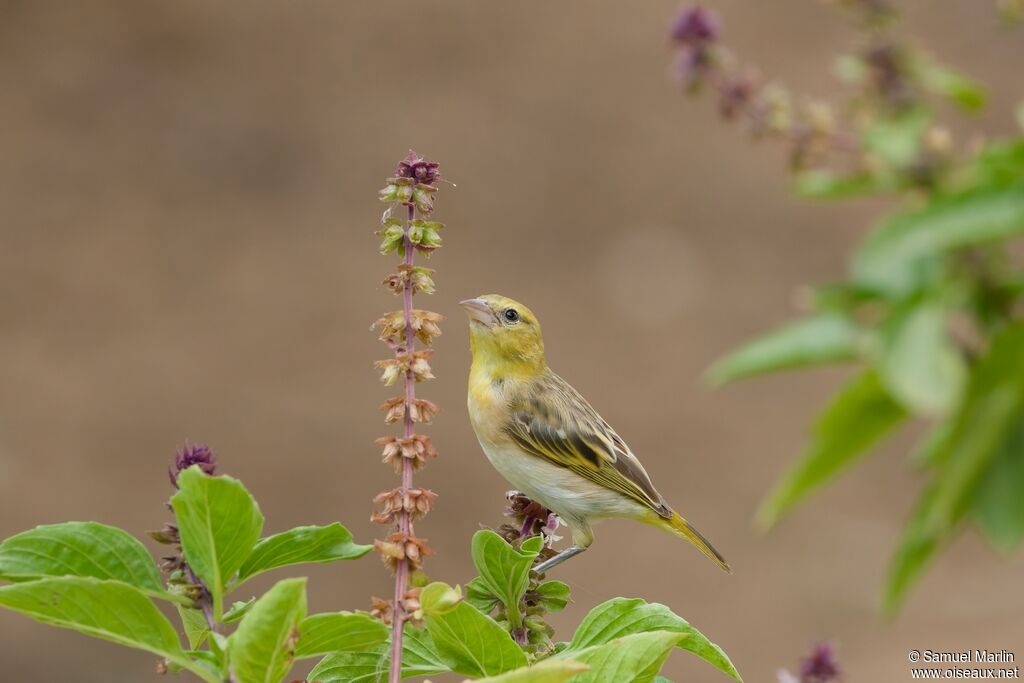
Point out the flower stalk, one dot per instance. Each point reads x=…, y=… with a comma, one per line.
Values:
x=179, y=574
x=889, y=81
x=412, y=189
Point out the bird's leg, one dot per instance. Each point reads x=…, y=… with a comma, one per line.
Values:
x=558, y=559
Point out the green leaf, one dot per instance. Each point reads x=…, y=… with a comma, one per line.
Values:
x=554, y=595
x=954, y=86
x=302, y=544
x=999, y=164
x=897, y=140
x=419, y=654
x=238, y=610
x=924, y=451
x=79, y=549
x=889, y=257
x=219, y=523
x=196, y=627
x=918, y=362
x=471, y=643
x=620, y=617
x=110, y=610
x=505, y=571
x=822, y=184
x=210, y=660
x=352, y=667
x=845, y=297
x=825, y=338
x=371, y=666
x=320, y=634
x=548, y=671
x=964, y=460
x=263, y=648
x=916, y=550
x=998, y=503
x=635, y=658
x=218, y=648
x=991, y=410
x=480, y=596
x=860, y=415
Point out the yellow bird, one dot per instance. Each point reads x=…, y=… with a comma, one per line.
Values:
x=547, y=441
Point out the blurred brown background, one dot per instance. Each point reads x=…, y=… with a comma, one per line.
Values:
x=188, y=196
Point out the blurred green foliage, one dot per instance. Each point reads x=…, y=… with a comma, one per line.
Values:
x=931, y=311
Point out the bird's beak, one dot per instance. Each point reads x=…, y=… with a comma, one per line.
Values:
x=479, y=311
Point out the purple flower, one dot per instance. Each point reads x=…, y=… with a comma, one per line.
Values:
x=695, y=26
x=822, y=666
x=693, y=32
x=418, y=168
x=199, y=454
x=551, y=525
x=527, y=512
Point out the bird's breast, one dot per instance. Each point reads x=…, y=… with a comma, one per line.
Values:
x=488, y=409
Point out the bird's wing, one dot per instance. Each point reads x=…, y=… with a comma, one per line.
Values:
x=551, y=420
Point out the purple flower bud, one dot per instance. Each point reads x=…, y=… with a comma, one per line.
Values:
x=521, y=635
x=822, y=666
x=199, y=454
x=418, y=168
x=695, y=26
x=694, y=32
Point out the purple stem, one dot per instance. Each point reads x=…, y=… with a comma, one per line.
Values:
x=404, y=522
x=527, y=526
x=204, y=601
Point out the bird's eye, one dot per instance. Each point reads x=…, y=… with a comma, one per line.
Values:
x=511, y=315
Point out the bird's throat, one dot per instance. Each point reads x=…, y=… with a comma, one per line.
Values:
x=496, y=360
x=497, y=370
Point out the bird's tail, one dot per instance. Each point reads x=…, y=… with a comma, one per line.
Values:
x=678, y=526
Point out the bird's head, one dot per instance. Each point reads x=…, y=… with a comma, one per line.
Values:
x=504, y=334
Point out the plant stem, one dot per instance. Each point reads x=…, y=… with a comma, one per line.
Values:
x=207, y=608
x=198, y=669
x=203, y=604
x=404, y=521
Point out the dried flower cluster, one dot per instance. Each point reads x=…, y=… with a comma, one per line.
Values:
x=179, y=575
x=889, y=81
x=411, y=191
x=821, y=666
